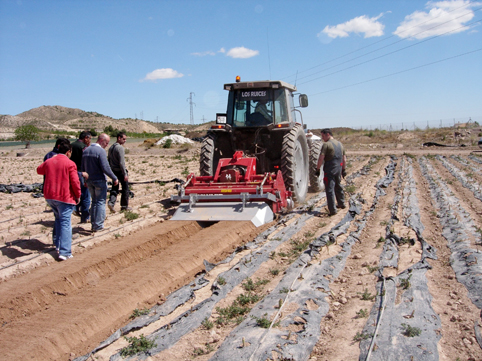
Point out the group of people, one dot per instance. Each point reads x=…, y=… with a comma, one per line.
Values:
x=75, y=181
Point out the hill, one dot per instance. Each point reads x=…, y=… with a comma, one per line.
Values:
x=58, y=118
x=52, y=118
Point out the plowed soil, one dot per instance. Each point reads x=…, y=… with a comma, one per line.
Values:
x=52, y=310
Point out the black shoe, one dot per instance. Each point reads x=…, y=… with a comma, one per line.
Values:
x=100, y=229
x=342, y=206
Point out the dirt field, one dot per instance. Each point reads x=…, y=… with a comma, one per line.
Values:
x=397, y=276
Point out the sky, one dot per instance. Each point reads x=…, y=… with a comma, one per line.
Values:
x=363, y=64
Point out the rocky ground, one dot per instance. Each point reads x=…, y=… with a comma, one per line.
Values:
x=397, y=275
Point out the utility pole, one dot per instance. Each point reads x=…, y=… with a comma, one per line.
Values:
x=203, y=119
x=142, y=115
x=190, y=105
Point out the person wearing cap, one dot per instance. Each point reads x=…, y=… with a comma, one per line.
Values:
x=333, y=159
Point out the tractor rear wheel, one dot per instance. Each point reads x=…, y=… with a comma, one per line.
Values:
x=316, y=182
x=206, y=161
x=294, y=163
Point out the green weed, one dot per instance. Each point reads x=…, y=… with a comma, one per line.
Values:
x=207, y=324
x=130, y=216
x=137, y=345
x=137, y=312
x=366, y=296
x=363, y=313
x=264, y=322
x=410, y=331
x=362, y=336
x=405, y=282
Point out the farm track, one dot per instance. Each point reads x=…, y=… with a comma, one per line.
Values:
x=345, y=287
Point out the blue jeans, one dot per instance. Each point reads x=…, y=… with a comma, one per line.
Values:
x=98, y=192
x=84, y=204
x=62, y=234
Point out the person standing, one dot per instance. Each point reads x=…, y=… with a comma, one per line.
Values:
x=82, y=209
x=62, y=193
x=54, y=151
x=94, y=162
x=117, y=164
x=333, y=158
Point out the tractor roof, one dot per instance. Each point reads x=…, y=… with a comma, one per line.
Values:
x=259, y=84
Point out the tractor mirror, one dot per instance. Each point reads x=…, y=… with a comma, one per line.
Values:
x=303, y=100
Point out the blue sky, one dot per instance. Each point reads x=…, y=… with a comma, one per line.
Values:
x=361, y=63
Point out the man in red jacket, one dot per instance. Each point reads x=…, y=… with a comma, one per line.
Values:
x=62, y=193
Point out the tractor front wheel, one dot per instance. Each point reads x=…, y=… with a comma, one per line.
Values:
x=206, y=161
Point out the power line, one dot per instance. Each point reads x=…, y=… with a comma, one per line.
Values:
x=390, y=53
x=382, y=40
x=398, y=72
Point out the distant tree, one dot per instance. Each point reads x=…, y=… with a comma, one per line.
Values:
x=108, y=129
x=93, y=132
x=111, y=131
x=27, y=133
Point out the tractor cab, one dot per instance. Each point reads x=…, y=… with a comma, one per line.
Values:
x=259, y=103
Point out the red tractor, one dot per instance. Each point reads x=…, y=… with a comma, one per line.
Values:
x=258, y=154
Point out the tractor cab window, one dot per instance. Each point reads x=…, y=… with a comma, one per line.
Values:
x=261, y=107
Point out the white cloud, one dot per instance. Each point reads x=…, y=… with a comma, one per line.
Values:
x=361, y=24
x=442, y=16
x=165, y=73
x=222, y=50
x=204, y=53
x=242, y=53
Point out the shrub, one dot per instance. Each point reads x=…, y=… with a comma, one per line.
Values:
x=137, y=345
x=410, y=331
x=130, y=216
x=137, y=312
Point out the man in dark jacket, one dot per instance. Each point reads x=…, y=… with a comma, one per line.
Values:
x=118, y=165
x=94, y=162
x=332, y=155
x=82, y=209
x=55, y=151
